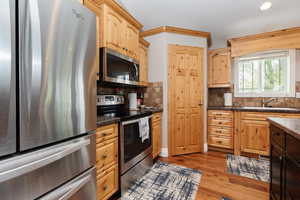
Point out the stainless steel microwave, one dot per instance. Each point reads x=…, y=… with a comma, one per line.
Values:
x=117, y=68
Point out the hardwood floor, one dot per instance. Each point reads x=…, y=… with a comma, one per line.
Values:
x=216, y=182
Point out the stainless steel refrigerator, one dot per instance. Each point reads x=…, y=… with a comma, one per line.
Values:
x=47, y=100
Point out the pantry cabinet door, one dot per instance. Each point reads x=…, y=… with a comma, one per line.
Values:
x=185, y=99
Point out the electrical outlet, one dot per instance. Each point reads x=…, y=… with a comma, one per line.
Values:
x=298, y=95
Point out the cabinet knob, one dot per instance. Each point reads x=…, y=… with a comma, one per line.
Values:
x=104, y=156
x=105, y=187
x=104, y=134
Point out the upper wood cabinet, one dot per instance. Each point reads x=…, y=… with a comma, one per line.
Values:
x=117, y=29
x=113, y=30
x=219, y=69
x=143, y=58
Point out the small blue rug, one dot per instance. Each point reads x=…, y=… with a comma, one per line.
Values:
x=258, y=169
x=164, y=182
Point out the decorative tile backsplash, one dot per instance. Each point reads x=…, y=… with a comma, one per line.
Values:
x=153, y=95
x=216, y=98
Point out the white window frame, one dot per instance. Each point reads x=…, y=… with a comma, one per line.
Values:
x=291, y=71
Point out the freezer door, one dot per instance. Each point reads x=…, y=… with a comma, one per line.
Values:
x=82, y=187
x=7, y=78
x=57, y=67
x=31, y=175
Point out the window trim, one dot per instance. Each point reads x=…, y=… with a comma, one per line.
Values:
x=292, y=72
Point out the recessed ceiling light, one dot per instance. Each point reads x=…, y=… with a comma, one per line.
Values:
x=265, y=6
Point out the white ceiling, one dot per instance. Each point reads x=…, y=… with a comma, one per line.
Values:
x=223, y=18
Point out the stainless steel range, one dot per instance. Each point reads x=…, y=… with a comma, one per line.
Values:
x=47, y=101
x=135, y=151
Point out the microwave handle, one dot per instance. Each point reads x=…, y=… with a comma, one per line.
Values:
x=136, y=69
x=133, y=121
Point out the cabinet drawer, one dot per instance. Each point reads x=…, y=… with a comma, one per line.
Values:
x=220, y=114
x=213, y=130
x=277, y=136
x=293, y=148
x=225, y=142
x=156, y=117
x=107, y=153
x=107, y=183
x=258, y=115
x=106, y=133
x=219, y=122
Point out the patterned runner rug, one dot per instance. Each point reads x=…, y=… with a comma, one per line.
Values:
x=249, y=167
x=166, y=182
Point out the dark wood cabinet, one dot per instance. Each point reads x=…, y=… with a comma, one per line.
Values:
x=285, y=165
x=276, y=172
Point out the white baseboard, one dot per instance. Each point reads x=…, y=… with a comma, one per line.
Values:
x=164, y=152
x=205, y=147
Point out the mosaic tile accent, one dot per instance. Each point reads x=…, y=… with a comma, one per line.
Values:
x=216, y=98
x=153, y=95
x=166, y=181
x=258, y=169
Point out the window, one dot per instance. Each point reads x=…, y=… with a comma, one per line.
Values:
x=268, y=74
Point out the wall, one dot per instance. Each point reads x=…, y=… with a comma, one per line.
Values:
x=158, y=68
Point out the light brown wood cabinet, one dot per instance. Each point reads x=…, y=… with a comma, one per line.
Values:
x=143, y=58
x=107, y=161
x=219, y=68
x=244, y=132
x=255, y=137
x=156, y=134
x=117, y=29
x=220, y=129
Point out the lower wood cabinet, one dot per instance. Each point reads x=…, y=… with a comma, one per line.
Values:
x=253, y=133
x=242, y=131
x=107, y=161
x=285, y=166
x=255, y=137
x=107, y=182
x=156, y=134
x=220, y=129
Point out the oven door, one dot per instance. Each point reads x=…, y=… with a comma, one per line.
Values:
x=133, y=150
x=117, y=68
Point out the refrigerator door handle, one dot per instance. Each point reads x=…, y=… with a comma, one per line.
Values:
x=26, y=163
x=30, y=56
x=68, y=191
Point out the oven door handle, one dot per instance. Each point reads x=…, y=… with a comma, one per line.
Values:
x=133, y=121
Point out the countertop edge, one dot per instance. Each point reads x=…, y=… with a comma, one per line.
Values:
x=117, y=120
x=290, y=131
x=253, y=109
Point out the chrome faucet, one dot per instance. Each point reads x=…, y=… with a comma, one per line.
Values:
x=266, y=102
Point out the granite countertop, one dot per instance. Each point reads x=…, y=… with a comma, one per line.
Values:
x=256, y=109
x=153, y=110
x=289, y=125
x=105, y=120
